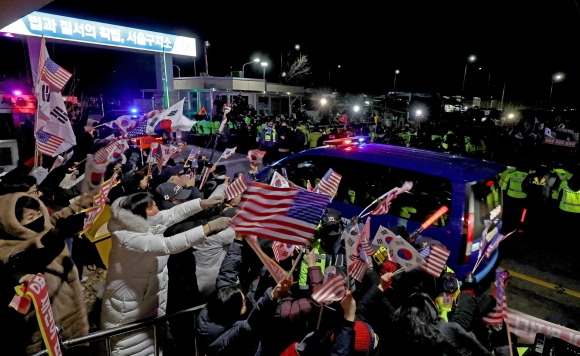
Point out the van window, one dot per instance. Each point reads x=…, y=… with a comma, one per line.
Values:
x=486, y=196
x=363, y=182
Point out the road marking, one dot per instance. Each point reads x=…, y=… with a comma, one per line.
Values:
x=539, y=282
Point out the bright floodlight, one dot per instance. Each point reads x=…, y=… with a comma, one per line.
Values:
x=356, y=108
x=510, y=116
x=419, y=112
x=297, y=47
x=323, y=101
x=264, y=64
x=257, y=60
x=17, y=92
x=557, y=77
x=367, y=103
x=397, y=71
x=339, y=66
x=472, y=58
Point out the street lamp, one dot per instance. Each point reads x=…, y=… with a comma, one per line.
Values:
x=395, y=80
x=322, y=101
x=257, y=60
x=297, y=47
x=178, y=71
x=555, y=78
x=264, y=65
x=470, y=59
x=356, y=108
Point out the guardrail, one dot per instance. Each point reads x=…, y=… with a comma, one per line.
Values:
x=141, y=324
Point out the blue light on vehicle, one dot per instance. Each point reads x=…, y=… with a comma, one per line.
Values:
x=361, y=139
x=134, y=110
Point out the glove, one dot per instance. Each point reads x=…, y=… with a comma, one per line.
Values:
x=219, y=224
x=71, y=224
x=211, y=202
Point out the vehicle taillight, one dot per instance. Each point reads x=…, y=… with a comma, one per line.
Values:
x=468, y=231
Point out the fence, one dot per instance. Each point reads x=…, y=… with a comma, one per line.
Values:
x=106, y=335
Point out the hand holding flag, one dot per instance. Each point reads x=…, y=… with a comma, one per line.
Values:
x=328, y=185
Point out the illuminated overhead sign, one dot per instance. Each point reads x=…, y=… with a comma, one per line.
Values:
x=71, y=29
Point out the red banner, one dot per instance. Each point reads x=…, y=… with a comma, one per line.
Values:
x=526, y=326
x=100, y=201
x=37, y=291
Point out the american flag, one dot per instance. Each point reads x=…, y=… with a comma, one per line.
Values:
x=436, y=257
x=332, y=291
x=48, y=143
x=238, y=187
x=282, y=250
x=357, y=268
x=497, y=315
x=176, y=152
x=54, y=75
x=494, y=243
x=159, y=156
x=228, y=153
x=204, y=177
x=139, y=131
x=364, y=238
x=256, y=156
x=383, y=207
x=194, y=154
x=369, y=251
x=281, y=214
x=103, y=154
x=329, y=183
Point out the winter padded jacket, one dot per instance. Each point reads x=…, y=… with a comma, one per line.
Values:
x=136, y=286
x=21, y=334
x=239, y=339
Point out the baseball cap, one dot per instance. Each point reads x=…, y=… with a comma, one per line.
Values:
x=170, y=191
x=169, y=171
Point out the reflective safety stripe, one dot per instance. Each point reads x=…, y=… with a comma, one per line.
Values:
x=570, y=201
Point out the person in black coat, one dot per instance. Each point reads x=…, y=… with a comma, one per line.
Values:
x=223, y=327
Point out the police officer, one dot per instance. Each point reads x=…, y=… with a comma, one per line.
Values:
x=268, y=139
x=515, y=201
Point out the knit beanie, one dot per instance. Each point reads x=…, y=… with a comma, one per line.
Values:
x=364, y=338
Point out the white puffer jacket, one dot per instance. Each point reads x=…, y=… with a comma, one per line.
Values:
x=137, y=278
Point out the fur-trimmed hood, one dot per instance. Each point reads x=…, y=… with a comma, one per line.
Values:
x=123, y=219
x=61, y=276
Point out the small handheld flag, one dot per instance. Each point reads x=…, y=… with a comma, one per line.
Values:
x=332, y=291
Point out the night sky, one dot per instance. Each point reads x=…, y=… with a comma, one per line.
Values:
x=428, y=41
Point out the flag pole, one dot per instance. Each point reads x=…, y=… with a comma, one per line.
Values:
x=507, y=328
x=319, y=317
x=38, y=76
x=295, y=262
x=376, y=200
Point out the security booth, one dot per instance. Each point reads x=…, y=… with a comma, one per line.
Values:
x=269, y=99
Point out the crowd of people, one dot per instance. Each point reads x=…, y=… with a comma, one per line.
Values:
x=173, y=249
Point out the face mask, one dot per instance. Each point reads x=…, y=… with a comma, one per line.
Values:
x=37, y=225
x=156, y=219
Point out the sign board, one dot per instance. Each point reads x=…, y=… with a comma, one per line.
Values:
x=99, y=33
x=554, y=141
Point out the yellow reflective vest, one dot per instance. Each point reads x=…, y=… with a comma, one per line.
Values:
x=514, y=182
x=570, y=200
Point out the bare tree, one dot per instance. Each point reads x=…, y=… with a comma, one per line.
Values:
x=298, y=71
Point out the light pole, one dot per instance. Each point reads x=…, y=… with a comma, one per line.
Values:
x=264, y=65
x=395, y=80
x=257, y=60
x=555, y=78
x=178, y=71
x=470, y=59
x=205, y=46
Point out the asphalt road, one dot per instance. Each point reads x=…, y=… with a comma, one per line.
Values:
x=545, y=264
